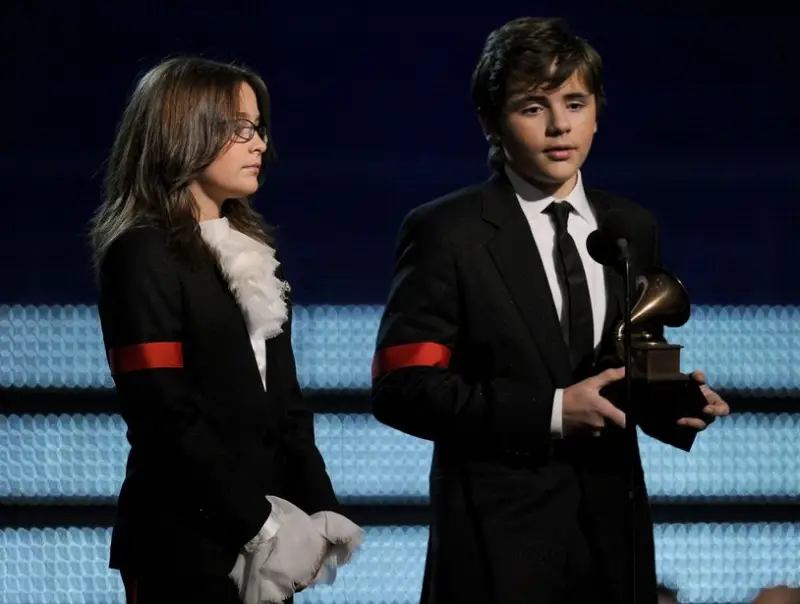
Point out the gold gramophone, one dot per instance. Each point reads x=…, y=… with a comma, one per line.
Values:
x=660, y=393
x=663, y=302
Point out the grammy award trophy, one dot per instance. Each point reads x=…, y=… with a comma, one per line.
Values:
x=660, y=391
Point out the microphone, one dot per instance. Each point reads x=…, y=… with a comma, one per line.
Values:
x=608, y=245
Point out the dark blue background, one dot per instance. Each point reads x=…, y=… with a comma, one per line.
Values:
x=372, y=116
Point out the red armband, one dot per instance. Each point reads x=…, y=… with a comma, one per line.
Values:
x=418, y=354
x=150, y=355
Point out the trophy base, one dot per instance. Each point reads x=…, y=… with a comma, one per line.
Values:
x=660, y=393
x=659, y=404
x=656, y=361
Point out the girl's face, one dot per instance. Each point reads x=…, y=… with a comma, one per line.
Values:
x=234, y=174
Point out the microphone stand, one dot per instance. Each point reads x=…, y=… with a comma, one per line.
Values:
x=630, y=413
x=611, y=249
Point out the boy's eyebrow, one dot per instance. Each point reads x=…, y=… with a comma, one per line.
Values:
x=538, y=97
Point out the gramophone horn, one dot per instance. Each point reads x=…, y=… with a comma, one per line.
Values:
x=663, y=300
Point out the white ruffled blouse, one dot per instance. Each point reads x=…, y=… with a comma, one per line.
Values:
x=292, y=549
x=249, y=267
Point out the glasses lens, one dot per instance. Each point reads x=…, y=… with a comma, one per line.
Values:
x=243, y=130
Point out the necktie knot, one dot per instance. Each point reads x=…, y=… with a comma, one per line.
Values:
x=559, y=211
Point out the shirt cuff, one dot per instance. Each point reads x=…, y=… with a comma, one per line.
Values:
x=556, y=419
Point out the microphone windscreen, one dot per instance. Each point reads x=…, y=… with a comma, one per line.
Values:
x=601, y=248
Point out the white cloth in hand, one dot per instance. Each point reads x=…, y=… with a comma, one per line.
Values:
x=305, y=550
x=343, y=536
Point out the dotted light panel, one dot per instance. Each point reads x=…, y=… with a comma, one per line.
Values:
x=745, y=348
x=709, y=563
x=82, y=458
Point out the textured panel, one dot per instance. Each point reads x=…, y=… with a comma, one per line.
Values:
x=743, y=456
x=57, y=346
x=745, y=348
x=709, y=563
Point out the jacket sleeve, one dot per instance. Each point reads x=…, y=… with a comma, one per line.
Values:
x=307, y=481
x=141, y=319
x=415, y=387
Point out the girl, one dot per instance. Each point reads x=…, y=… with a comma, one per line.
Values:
x=226, y=496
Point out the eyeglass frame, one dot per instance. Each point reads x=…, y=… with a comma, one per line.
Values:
x=252, y=128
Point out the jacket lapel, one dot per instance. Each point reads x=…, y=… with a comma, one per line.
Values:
x=517, y=258
x=614, y=282
x=250, y=369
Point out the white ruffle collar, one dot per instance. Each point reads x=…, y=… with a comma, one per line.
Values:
x=249, y=267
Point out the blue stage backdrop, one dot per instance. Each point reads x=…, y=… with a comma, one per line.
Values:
x=372, y=116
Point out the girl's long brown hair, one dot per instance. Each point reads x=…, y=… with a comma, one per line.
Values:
x=175, y=125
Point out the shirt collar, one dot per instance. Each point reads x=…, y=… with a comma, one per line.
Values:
x=534, y=202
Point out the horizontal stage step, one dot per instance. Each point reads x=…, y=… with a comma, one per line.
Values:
x=708, y=563
x=745, y=457
x=102, y=512
x=45, y=401
x=748, y=349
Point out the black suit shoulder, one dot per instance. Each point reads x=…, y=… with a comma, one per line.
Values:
x=449, y=214
x=445, y=216
x=646, y=237
x=141, y=237
x=137, y=270
x=634, y=210
x=138, y=246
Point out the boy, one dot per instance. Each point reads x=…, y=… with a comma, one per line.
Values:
x=489, y=346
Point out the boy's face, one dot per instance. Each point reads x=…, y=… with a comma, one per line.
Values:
x=546, y=135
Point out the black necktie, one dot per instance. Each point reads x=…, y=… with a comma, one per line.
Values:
x=577, y=323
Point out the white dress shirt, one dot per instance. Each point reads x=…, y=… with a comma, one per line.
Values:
x=581, y=222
